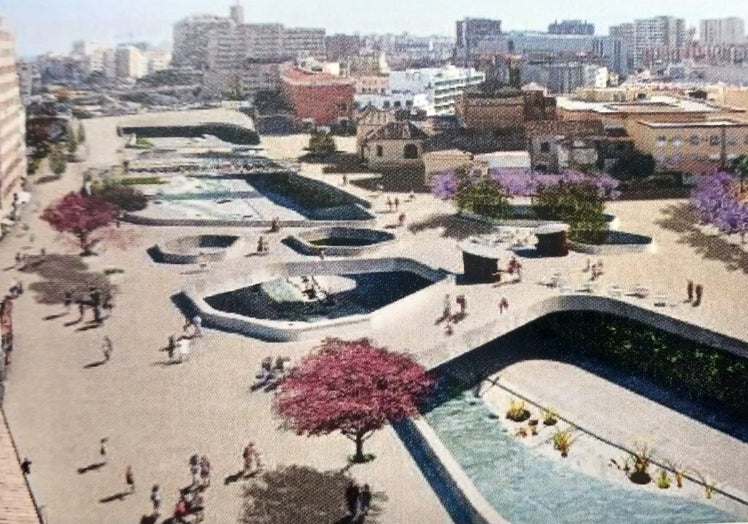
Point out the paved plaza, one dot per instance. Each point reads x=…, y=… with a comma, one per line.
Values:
x=155, y=415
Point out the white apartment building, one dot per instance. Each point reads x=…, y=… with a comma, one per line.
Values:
x=722, y=31
x=157, y=60
x=440, y=85
x=220, y=43
x=12, y=126
x=30, y=80
x=131, y=63
x=659, y=38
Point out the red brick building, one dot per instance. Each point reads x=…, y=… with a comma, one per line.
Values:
x=317, y=97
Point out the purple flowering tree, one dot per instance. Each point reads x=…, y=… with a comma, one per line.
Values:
x=717, y=200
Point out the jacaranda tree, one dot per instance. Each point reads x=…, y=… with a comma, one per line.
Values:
x=80, y=215
x=352, y=387
x=718, y=201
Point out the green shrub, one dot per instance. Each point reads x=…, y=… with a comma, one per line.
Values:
x=692, y=369
x=578, y=204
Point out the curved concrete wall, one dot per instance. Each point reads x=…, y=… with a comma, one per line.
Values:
x=469, y=340
x=281, y=331
x=421, y=439
x=188, y=250
x=134, y=218
x=301, y=242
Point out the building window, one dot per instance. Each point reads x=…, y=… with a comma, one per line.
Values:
x=545, y=147
x=410, y=152
x=732, y=141
x=386, y=104
x=676, y=141
x=694, y=140
x=661, y=141
x=380, y=151
x=714, y=140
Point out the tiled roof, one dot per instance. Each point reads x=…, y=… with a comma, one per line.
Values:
x=16, y=505
x=397, y=131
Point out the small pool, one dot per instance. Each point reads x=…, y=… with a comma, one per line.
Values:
x=313, y=298
x=528, y=488
x=342, y=242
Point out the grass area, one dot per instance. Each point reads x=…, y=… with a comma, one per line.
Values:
x=143, y=143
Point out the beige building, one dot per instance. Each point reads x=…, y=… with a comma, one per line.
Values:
x=445, y=160
x=692, y=147
x=12, y=126
x=394, y=145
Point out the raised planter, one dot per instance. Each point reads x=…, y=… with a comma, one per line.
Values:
x=339, y=241
x=193, y=249
x=617, y=243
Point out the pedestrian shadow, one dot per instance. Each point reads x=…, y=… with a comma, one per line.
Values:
x=53, y=317
x=165, y=363
x=235, y=477
x=72, y=323
x=89, y=327
x=149, y=519
x=9, y=268
x=122, y=495
x=94, y=364
x=91, y=467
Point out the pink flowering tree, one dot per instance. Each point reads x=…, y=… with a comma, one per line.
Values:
x=352, y=387
x=80, y=215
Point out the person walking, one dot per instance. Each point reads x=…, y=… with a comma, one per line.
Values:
x=67, y=301
x=107, y=347
x=364, y=504
x=699, y=292
x=397, y=204
x=130, y=479
x=251, y=458
x=81, y=310
x=447, y=311
x=689, y=291
x=171, y=347
x=26, y=466
x=389, y=205
x=351, y=499
x=503, y=304
x=462, y=302
x=197, y=323
x=103, y=450
x=205, y=471
x=156, y=499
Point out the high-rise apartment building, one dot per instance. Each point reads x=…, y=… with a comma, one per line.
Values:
x=473, y=33
x=662, y=38
x=131, y=62
x=219, y=43
x=571, y=27
x=722, y=32
x=12, y=126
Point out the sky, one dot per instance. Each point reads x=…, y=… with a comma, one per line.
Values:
x=52, y=25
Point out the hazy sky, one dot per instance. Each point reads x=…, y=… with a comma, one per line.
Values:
x=51, y=25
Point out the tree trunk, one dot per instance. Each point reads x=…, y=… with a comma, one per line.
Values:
x=85, y=245
x=359, y=456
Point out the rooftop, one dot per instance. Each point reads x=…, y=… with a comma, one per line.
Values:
x=655, y=104
x=708, y=123
x=294, y=75
x=397, y=131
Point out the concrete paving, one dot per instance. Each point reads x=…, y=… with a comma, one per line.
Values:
x=156, y=416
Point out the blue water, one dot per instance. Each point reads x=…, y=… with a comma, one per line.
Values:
x=525, y=487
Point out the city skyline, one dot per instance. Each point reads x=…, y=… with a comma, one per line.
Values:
x=63, y=22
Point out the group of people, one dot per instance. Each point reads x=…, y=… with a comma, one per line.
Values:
x=270, y=373
x=357, y=502
x=513, y=269
x=450, y=318
x=252, y=463
x=393, y=205
x=694, y=293
x=101, y=306
x=595, y=270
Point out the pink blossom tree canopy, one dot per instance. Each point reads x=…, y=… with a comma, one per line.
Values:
x=80, y=215
x=351, y=387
